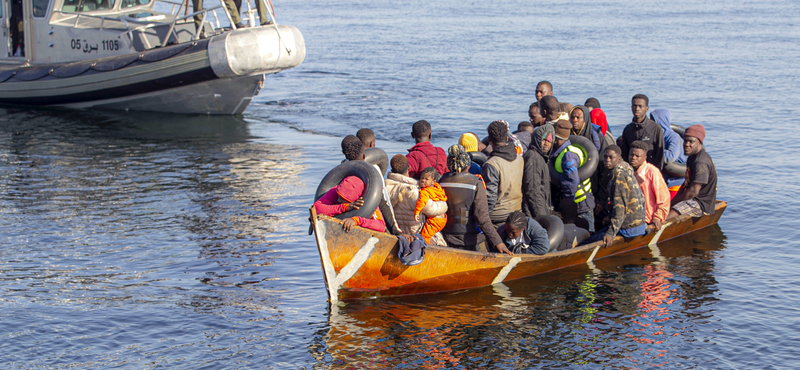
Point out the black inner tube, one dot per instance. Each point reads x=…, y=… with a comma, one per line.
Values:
x=672, y=168
x=367, y=174
x=589, y=165
x=555, y=229
x=377, y=156
x=478, y=157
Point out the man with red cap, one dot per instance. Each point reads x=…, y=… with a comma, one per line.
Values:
x=698, y=194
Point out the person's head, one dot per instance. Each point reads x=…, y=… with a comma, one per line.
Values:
x=549, y=107
x=469, y=141
x=399, y=164
x=352, y=148
x=535, y=115
x=350, y=189
x=663, y=118
x=637, y=155
x=421, y=131
x=562, y=131
x=367, y=137
x=591, y=103
x=693, y=139
x=427, y=177
x=612, y=156
x=457, y=158
x=525, y=126
x=566, y=107
x=543, y=137
x=515, y=224
x=639, y=107
x=579, y=116
x=498, y=133
x=543, y=89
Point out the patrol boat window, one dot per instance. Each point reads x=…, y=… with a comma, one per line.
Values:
x=40, y=8
x=80, y=6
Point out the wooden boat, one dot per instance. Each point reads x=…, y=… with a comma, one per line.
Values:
x=363, y=263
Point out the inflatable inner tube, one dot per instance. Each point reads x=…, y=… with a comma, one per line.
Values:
x=555, y=229
x=478, y=157
x=365, y=172
x=378, y=157
x=589, y=165
x=672, y=168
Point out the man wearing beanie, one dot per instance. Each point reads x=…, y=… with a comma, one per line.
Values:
x=502, y=173
x=643, y=129
x=698, y=194
x=567, y=162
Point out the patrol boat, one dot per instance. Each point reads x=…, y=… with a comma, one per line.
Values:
x=147, y=55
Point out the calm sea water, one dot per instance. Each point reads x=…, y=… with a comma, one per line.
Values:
x=147, y=241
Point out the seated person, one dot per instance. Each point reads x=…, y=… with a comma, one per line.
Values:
x=367, y=137
x=467, y=209
x=471, y=143
x=423, y=153
x=432, y=202
x=698, y=195
x=524, y=235
x=403, y=193
x=626, y=215
x=673, y=147
x=523, y=133
x=344, y=197
x=654, y=188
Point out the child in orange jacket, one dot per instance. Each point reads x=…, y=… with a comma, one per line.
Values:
x=432, y=203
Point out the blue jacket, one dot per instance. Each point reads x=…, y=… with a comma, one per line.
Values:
x=570, y=180
x=534, y=239
x=673, y=144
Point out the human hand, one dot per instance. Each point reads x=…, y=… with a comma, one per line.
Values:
x=408, y=237
x=502, y=248
x=609, y=240
x=357, y=204
x=347, y=224
x=656, y=224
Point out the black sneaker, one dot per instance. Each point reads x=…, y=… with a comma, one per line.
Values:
x=267, y=23
x=240, y=25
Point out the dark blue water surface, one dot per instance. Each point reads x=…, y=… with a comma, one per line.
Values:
x=145, y=241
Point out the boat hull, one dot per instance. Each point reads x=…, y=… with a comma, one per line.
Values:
x=363, y=264
x=219, y=75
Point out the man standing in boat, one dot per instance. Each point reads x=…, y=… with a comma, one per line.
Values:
x=502, y=173
x=644, y=129
x=698, y=194
x=423, y=153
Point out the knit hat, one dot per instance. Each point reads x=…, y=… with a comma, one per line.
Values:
x=563, y=129
x=350, y=189
x=457, y=158
x=469, y=141
x=697, y=131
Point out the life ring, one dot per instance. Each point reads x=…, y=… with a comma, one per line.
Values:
x=478, y=157
x=555, y=229
x=378, y=157
x=672, y=168
x=367, y=174
x=589, y=166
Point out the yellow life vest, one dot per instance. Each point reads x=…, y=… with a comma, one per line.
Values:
x=585, y=187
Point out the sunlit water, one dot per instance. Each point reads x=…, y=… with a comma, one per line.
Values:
x=142, y=240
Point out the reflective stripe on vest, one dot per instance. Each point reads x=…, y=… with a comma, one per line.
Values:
x=585, y=186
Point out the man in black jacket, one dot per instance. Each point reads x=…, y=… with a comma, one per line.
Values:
x=536, y=175
x=644, y=129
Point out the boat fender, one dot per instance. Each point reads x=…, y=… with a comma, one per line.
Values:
x=478, y=157
x=32, y=73
x=378, y=157
x=115, y=63
x=555, y=229
x=589, y=166
x=5, y=75
x=672, y=168
x=71, y=70
x=367, y=174
x=157, y=55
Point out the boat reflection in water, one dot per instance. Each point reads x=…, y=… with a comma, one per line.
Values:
x=634, y=310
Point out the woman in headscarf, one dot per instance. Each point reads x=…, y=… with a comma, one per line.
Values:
x=536, y=175
x=467, y=208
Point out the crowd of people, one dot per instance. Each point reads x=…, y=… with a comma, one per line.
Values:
x=491, y=195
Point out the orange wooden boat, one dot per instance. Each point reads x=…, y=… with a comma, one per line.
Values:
x=363, y=263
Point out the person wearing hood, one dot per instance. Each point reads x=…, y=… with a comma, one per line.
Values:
x=567, y=161
x=582, y=126
x=346, y=196
x=467, y=208
x=502, y=173
x=673, y=147
x=536, y=175
x=598, y=117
